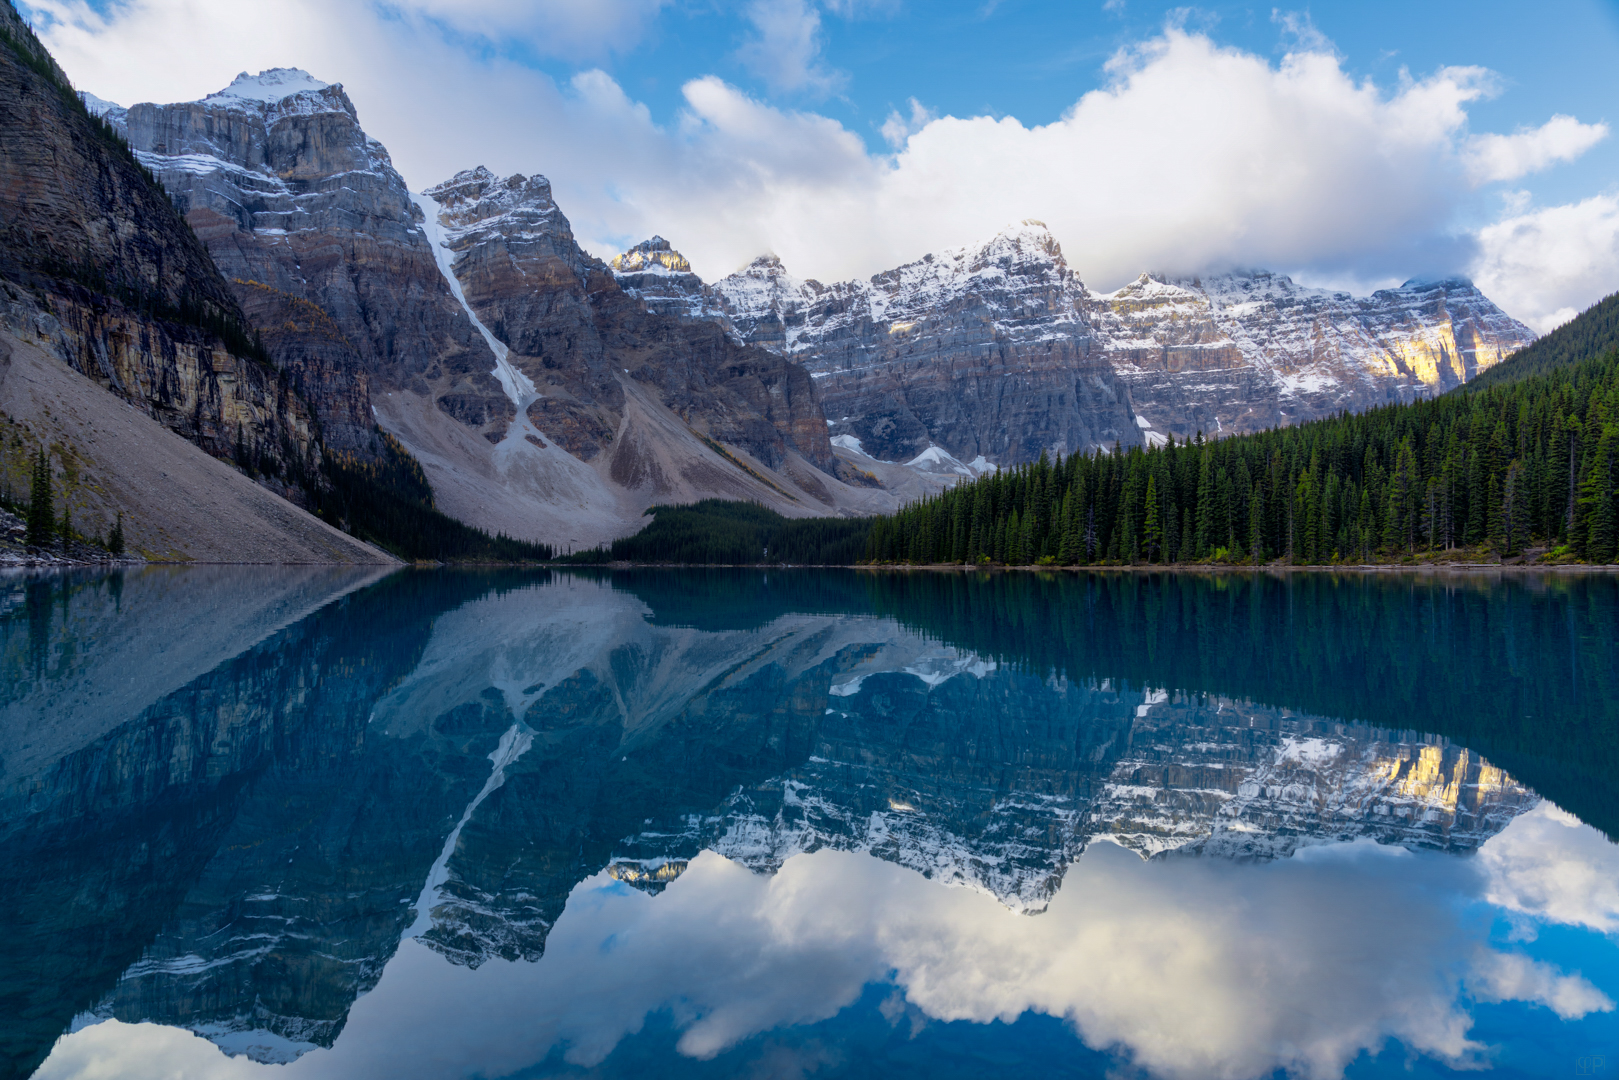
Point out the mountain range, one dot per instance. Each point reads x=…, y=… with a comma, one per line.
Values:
x=549, y=395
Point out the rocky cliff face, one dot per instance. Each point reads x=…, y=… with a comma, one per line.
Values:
x=96, y=266
x=1241, y=352
x=1000, y=350
x=575, y=334
x=542, y=400
x=297, y=204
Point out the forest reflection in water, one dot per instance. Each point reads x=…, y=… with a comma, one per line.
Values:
x=450, y=823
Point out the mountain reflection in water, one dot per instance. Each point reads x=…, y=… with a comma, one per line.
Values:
x=735, y=823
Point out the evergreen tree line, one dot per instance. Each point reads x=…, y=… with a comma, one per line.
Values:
x=721, y=532
x=1592, y=334
x=1498, y=469
x=388, y=502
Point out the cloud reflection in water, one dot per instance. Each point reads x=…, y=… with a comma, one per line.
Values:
x=1185, y=967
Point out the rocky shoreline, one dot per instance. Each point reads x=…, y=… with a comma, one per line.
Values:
x=15, y=554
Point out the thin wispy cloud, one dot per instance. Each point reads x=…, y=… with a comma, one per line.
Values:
x=785, y=48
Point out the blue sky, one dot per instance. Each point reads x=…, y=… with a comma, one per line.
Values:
x=1351, y=145
x=1033, y=60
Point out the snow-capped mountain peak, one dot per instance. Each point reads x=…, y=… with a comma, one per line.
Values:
x=1029, y=239
x=270, y=85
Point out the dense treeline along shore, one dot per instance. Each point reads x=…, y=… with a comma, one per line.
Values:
x=1519, y=466
x=1488, y=473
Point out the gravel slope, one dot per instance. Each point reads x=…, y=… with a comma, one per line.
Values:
x=179, y=504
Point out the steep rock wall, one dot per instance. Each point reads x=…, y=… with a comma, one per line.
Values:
x=96, y=265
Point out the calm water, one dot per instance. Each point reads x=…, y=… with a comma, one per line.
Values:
x=313, y=823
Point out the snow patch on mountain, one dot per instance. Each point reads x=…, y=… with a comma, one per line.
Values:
x=519, y=387
x=273, y=84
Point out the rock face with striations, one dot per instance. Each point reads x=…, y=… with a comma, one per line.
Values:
x=541, y=399
x=97, y=268
x=1245, y=351
x=1000, y=350
x=298, y=205
x=985, y=352
x=576, y=334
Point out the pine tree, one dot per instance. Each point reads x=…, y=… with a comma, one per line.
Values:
x=1597, y=498
x=1152, y=531
x=1204, y=543
x=41, y=518
x=115, y=538
x=1256, y=527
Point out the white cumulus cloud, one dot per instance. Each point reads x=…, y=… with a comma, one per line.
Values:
x=1193, y=157
x=785, y=48
x=1507, y=157
x=1549, y=865
x=1545, y=266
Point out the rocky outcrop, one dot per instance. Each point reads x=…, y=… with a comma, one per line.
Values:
x=1000, y=350
x=541, y=399
x=663, y=280
x=985, y=352
x=1242, y=352
x=297, y=204
x=96, y=266
x=573, y=332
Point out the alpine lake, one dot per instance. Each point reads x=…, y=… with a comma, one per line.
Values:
x=310, y=822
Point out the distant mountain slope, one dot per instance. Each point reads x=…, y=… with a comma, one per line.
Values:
x=1000, y=350
x=1591, y=333
x=994, y=353
x=178, y=503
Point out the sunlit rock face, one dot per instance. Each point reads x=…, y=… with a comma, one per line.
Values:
x=1241, y=352
x=1216, y=777
x=1039, y=362
x=658, y=275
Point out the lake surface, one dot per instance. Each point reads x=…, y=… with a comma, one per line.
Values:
x=289, y=823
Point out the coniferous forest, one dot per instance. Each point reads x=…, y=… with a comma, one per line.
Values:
x=722, y=532
x=1492, y=469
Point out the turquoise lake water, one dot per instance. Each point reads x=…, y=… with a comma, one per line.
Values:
x=306, y=822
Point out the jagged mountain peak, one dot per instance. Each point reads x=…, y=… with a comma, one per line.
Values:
x=653, y=256
x=1447, y=282
x=1153, y=288
x=1028, y=240
x=270, y=85
x=481, y=184
x=768, y=263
